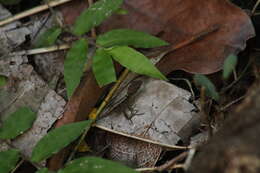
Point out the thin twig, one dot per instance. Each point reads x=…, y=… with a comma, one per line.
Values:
x=33, y=11
x=255, y=7
x=189, y=41
x=189, y=85
x=176, y=166
x=189, y=159
x=235, y=74
x=41, y=50
x=232, y=102
x=194, y=38
x=168, y=165
x=48, y=49
x=18, y=165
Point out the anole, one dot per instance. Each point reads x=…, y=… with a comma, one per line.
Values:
x=124, y=104
x=132, y=91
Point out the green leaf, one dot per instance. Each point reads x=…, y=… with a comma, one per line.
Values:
x=49, y=37
x=203, y=81
x=95, y=165
x=74, y=65
x=3, y=81
x=128, y=37
x=103, y=68
x=95, y=15
x=9, y=2
x=229, y=65
x=8, y=160
x=17, y=123
x=135, y=61
x=43, y=170
x=57, y=139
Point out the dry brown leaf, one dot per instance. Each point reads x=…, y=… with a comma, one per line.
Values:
x=176, y=21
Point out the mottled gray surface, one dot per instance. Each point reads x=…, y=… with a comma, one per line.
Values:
x=11, y=35
x=162, y=111
x=28, y=89
x=25, y=88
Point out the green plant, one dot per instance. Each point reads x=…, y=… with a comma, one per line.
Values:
x=113, y=45
x=229, y=65
x=209, y=87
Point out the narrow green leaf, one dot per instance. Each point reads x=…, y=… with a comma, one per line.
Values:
x=128, y=37
x=95, y=15
x=17, y=123
x=229, y=65
x=49, y=37
x=3, y=81
x=74, y=65
x=8, y=160
x=9, y=2
x=103, y=68
x=203, y=81
x=135, y=61
x=95, y=165
x=57, y=139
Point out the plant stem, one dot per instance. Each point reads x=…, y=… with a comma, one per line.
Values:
x=93, y=30
x=255, y=7
x=100, y=109
x=17, y=166
x=153, y=169
x=42, y=50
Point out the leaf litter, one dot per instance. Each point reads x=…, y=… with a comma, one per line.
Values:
x=193, y=58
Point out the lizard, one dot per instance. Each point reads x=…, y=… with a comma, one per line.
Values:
x=124, y=104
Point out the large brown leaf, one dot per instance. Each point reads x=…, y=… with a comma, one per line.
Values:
x=176, y=20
